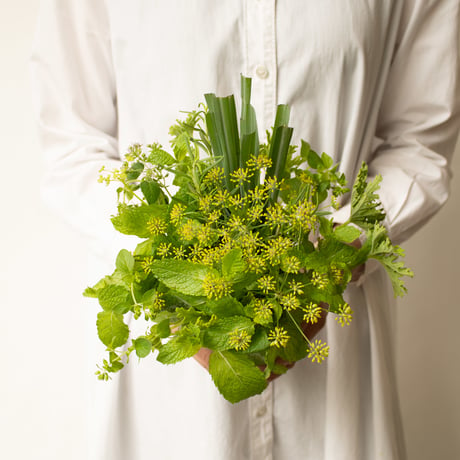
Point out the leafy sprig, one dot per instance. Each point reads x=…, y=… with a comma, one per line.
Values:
x=228, y=262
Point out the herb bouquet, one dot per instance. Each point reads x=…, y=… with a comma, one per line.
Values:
x=242, y=256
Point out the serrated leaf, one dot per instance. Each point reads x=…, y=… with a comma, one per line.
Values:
x=142, y=346
x=113, y=298
x=378, y=246
x=182, y=275
x=160, y=157
x=366, y=209
x=179, y=348
x=233, y=264
x=151, y=191
x=125, y=262
x=111, y=329
x=236, y=376
x=217, y=336
x=224, y=307
x=347, y=234
x=133, y=220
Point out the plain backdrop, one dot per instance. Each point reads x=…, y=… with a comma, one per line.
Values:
x=42, y=274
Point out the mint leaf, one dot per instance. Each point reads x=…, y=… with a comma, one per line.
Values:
x=125, y=262
x=114, y=298
x=151, y=191
x=182, y=275
x=233, y=264
x=217, y=336
x=347, y=234
x=111, y=329
x=235, y=375
x=227, y=306
x=142, y=346
x=178, y=349
x=160, y=157
x=133, y=220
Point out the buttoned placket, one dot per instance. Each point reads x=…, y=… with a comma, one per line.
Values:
x=261, y=64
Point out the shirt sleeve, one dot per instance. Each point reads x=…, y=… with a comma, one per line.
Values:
x=419, y=119
x=75, y=98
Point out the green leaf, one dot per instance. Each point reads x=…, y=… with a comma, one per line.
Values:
x=314, y=160
x=347, y=234
x=142, y=346
x=259, y=341
x=326, y=160
x=227, y=306
x=134, y=171
x=179, y=348
x=111, y=329
x=125, y=262
x=378, y=246
x=145, y=248
x=233, y=264
x=133, y=220
x=151, y=190
x=182, y=275
x=163, y=329
x=160, y=157
x=216, y=337
x=366, y=209
x=236, y=376
x=114, y=298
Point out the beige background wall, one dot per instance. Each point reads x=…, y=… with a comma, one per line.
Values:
x=42, y=273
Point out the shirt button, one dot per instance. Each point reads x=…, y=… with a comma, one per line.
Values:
x=261, y=411
x=262, y=72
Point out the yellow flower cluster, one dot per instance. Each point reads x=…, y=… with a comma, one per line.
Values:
x=239, y=339
x=278, y=337
x=216, y=287
x=345, y=315
x=318, y=351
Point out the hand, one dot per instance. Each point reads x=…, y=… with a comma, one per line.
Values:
x=310, y=330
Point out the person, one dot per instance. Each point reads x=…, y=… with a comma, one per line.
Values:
x=366, y=80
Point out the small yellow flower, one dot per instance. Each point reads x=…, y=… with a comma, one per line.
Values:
x=240, y=176
x=179, y=253
x=337, y=274
x=177, y=213
x=278, y=337
x=289, y=302
x=263, y=311
x=345, y=315
x=216, y=287
x=319, y=280
x=214, y=176
x=163, y=250
x=156, y=226
x=145, y=264
x=266, y=283
x=318, y=351
x=296, y=287
x=312, y=313
x=239, y=339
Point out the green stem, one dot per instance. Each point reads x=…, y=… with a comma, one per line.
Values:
x=298, y=327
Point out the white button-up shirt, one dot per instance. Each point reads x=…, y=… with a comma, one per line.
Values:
x=367, y=80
